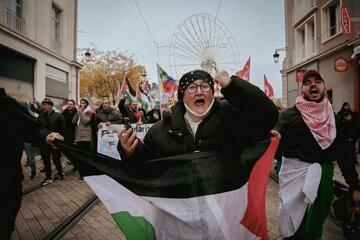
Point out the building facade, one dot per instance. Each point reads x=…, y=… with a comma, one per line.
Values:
x=38, y=49
x=323, y=35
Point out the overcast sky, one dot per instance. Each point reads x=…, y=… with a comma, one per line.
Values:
x=256, y=26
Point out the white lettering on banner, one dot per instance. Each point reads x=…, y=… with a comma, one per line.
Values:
x=108, y=137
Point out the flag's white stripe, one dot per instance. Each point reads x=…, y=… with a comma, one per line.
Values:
x=205, y=217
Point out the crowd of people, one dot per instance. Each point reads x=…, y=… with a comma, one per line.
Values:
x=78, y=124
x=311, y=137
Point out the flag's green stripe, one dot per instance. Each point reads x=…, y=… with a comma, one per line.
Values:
x=134, y=227
x=124, y=92
x=144, y=104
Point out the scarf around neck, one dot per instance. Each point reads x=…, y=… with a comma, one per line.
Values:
x=194, y=119
x=320, y=119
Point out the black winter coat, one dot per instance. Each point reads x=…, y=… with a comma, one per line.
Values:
x=69, y=132
x=126, y=111
x=297, y=141
x=53, y=121
x=243, y=117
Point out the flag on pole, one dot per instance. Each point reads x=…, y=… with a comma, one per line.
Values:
x=190, y=196
x=142, y=98
x=124, y=90
x=146, y=86
x=131, y=90
x=166, y=82
x=245, y=72
x=268, y=88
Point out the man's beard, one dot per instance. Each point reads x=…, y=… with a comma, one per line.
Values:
x=317, y=101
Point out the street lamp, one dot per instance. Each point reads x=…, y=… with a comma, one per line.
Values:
x=277, y=55
x=87, y=54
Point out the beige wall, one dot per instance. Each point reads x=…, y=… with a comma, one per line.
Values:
x=35, y=42
x=327, y=50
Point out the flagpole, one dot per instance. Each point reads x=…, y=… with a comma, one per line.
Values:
x=119, y=96
x=160, y=88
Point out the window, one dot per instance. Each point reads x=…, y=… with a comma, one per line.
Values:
x=334, y=22
x=14, y=15
x=305, y=40
x=55, y=28
x=15, y=6
x=330, y=19
x=57, y=83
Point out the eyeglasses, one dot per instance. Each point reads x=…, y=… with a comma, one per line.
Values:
x=192, y=88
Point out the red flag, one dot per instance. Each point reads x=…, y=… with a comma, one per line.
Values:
x=146, y=86
x=245, y=72
x=268, y=88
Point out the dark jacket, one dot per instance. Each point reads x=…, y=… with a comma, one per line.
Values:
x=53, y=121
x=297, y=141
x=151, y=116
x=69, y=132
x=239, y=120
x=126, y=111
x=112, y=116
x=17, y=126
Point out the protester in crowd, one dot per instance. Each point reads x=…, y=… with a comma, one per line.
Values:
x=69, y=132
x=154, y=115
x=144, y=118
x=53, y=122
x=131, y=110
x=16, y=126
x=312, y=137
x=99, y=109
x=354, y=118
x=68, y=114
x=84, y=120
x=108, y=115
x=201, y=123
x=29, y=149
x=352, y=133
x=345, y=108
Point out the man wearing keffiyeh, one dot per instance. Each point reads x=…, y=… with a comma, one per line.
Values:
x=312, y=138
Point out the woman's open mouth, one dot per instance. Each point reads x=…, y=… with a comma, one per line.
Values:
x=199, y=102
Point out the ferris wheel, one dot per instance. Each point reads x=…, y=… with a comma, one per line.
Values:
x=202, y=41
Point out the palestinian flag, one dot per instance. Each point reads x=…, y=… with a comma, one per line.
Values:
x=204, y=195
x=124, y=90
x=142, y=98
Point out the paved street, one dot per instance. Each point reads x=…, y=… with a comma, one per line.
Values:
x=45, y=208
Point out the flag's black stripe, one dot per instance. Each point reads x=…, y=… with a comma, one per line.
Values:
x=182, y=176
x=131, y=90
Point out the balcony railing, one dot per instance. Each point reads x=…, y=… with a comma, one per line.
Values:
x=304, y=51
x=15, y=22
